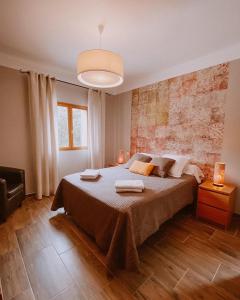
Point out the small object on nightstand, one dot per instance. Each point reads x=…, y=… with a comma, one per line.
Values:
x=216, y=203
x=121, y=157
x=218, y=176
x=112, y=165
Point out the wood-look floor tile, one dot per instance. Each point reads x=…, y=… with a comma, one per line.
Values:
x=195, y=227
x=61, y=235
x=13, y=274
x=47, y=274
x=134, y=279
x=87, y=271
x=20, y=218
x=8, y=240
x=227, y=244
x=165, y=270
x=238, y=232
x=185, y=257
x=32, y=238
x=214, y=249
x=225, y=238
x=178, y=262
x=228, y=279
x=168, y=229
x=41, y=211
x=232, y=229
x=25, y=295
x=193, y=286
x=152, y=289
x=115, y=290
x=71, y=293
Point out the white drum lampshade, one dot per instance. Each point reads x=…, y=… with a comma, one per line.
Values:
x=100, y=68
x=219, y=171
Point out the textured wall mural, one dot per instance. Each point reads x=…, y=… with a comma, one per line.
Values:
x=182, y=115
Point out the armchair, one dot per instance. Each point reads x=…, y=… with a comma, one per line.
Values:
x=12, y=190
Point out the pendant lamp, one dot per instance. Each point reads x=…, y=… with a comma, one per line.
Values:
x=100, y=68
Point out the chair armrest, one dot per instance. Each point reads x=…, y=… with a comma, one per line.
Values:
x=3, y=197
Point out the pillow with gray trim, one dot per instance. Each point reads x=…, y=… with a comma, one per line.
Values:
x=139, y=157
x=162, y=165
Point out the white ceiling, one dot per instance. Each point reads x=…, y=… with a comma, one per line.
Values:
x=155, y=38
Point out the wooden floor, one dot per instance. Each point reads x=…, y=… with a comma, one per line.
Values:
x=44, y=256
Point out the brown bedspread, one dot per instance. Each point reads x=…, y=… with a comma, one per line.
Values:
x=120, y=222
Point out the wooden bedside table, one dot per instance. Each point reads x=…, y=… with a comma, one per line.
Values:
x=216, y=203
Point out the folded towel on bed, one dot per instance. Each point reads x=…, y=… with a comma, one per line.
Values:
x=89, y=174
x=118, y=190
x=129, y=184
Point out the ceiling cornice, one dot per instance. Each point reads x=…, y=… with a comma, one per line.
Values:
x=22, y=63
x=221, y=56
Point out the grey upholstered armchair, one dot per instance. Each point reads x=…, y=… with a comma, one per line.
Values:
x=12, y=190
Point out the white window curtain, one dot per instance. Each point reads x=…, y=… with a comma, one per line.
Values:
x=96, y=129
x=42, y=108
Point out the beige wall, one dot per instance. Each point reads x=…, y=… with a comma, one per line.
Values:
x=15, y=146
x=118, y=124
x=15, y=142
x=231, y=141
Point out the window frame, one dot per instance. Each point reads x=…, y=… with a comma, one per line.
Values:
x=69, y=107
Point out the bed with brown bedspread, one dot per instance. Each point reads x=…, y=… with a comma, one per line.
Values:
x=120, y=222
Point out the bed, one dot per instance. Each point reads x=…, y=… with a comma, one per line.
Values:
x=121, y=222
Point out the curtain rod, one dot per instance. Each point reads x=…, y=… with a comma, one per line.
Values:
x=70, y=83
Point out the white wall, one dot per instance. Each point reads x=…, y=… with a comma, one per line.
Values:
x=74, y=160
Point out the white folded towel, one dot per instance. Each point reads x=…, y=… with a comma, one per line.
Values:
x=132, y=184
x=89, y=174
x=118, y=190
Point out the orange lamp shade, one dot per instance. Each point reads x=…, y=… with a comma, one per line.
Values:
x=219, y=171
x=121, y=157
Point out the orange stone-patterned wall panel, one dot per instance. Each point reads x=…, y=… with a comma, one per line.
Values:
x=182, y=115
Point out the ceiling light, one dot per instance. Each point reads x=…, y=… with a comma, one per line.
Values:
x=100, y=68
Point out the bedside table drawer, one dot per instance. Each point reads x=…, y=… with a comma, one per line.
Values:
x=214, y=199
x=213, y=214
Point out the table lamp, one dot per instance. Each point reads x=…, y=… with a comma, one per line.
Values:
x=218, y=177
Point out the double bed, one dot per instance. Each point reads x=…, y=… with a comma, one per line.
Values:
x=120, y=222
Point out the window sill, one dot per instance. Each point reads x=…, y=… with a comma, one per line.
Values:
x=73, y=148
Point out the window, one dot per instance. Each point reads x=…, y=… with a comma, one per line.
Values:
x=72, y=126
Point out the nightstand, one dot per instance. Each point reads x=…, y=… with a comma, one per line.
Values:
x=216, y=203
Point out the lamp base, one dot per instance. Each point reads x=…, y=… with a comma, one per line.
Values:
x=218, y=184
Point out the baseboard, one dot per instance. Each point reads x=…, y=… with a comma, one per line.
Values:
x=29, y=195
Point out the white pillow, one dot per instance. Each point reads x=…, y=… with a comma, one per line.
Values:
x=180, y=163
x=195, y=171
